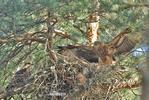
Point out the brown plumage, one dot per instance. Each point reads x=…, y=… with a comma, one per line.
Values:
x=20, y=78
x=103, y=52
x=83, y=52
x=125, y=46
x=122, y=44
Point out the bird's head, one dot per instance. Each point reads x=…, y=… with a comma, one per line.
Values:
x=127, y=30
x=27, y=65
x=98, y=43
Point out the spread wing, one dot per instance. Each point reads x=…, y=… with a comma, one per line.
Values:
x=125, y=45
x=119, y=37
x=105, y=51
x=122, y=44
x=85, y=52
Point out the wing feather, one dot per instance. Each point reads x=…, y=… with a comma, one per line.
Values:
x=85, y=52
x=124, y=45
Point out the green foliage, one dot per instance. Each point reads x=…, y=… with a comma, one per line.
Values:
x=18, y=17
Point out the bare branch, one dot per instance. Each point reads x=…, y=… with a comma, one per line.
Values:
x=63, y=34
x=124, y=84
x=77, y=27
x=50, y=27
x=22, y=39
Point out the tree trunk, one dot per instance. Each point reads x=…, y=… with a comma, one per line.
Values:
x=93, y=25
x=145, y=74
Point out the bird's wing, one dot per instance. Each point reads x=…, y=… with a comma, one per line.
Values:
x=85, y=52
x=119, y=37
x=122, y=44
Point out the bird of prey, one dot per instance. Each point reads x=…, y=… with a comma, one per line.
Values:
x=84, y=52
x=121, y=44
x=102, y=52
x=20, y=78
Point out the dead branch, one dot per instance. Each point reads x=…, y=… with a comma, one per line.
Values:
x=132, y=83
x=50, y=31
x=33, y=33
x=22, y=39
x=63, y=34
x=77, y=27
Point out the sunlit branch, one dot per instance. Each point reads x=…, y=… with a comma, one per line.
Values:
x=63, y=34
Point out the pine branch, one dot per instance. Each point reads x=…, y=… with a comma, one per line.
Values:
x=129, y=5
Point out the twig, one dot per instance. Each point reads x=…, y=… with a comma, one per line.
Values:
x=108, y=92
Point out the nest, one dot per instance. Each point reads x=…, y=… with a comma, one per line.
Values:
x=77, y=79
x=62, y=80
x=65, y=81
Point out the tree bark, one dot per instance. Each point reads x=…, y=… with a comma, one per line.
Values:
x=145, y=74
x=93, y=25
